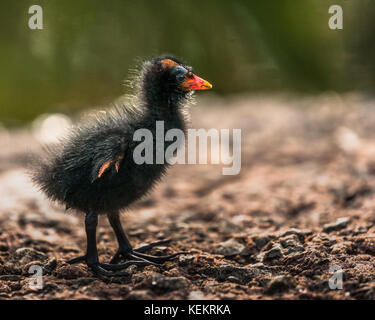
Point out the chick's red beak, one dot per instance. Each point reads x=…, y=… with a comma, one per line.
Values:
x=196, y=83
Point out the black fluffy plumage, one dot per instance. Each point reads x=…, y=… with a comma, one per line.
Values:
x=67, y=172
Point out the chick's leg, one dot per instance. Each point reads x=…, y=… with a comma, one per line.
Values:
x=125, y=249
x=92, y=258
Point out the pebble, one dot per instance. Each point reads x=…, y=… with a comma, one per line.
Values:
x=139, y=278
x=70, y=272
x=261, y=241
x=185, y=260
x=229, y=272
x=301, y=234
x=22, y=257
x=10, y=277
x=161, y=282
x=295, y=249
x=84, y=281
x=27, y=255
x=280, y=284
x=138, y=295
x=4, y=246
x=228, y=226
x=230, y=248
x=292, y=244
x=274, y=252
x=196, y=295
x=339, y=224
x=50, y=266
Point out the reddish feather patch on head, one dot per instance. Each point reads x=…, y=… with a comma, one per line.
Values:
x=168, y=63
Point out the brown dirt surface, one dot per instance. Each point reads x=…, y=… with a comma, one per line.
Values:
x=303, y=202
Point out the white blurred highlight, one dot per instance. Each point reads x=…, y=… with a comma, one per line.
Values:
x=347, y=139
x=49, y=128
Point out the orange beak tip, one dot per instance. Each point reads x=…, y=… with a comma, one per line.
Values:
x=196, y=83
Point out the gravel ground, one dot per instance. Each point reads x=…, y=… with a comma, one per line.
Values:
x=303, y=203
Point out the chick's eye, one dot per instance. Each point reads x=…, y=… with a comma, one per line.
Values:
x=180, y=76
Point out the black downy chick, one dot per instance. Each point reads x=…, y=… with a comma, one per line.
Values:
x=93, y=170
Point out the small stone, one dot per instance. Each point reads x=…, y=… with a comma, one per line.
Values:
x=50, y=266
x=339, y=224
x=10, y=277
x=274, y=252
x=292, y=231
x=301, y=234
x=233, y=279
x=139, y=278
x=185, y=260
x=196, y=295
x=4, y=246
x=366, y=243
x=161, y=282
x=161, y=250
x=15, y=285
x=229, y=272
x=138, y=295
x=70, y=272
x=227, y=296
x=4, y=290
x=259, y=265
x=261, y=241
x=84, y=281
x=228, y=226
x=295, y=249
x=50, y=287
x=230, y=248
x=292, y=244
x=289, y=241
x=280, y=284
x=131, y=269
x=26, y=255
x=22, y=257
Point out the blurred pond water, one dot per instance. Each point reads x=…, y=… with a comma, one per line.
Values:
x=86, y=48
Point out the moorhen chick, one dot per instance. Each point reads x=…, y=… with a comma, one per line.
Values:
x=93, y=171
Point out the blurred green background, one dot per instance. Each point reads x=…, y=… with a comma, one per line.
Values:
x=87, y=47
